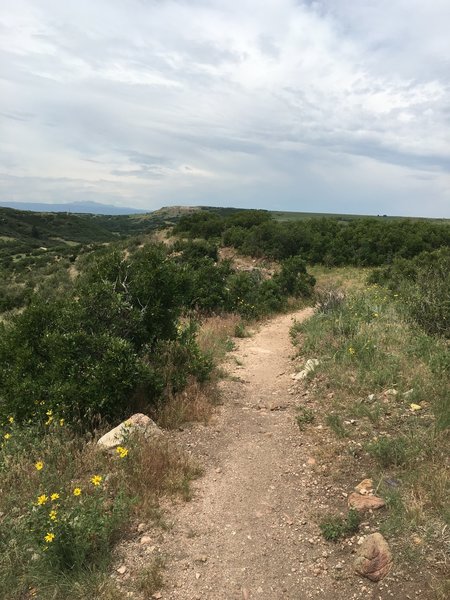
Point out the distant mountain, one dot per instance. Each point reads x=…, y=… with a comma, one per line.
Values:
x=95, y=208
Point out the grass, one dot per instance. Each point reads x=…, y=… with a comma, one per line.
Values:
x=151, y=579
x=388, y=410
x=196, y=402
x=305, y=416
x=334, y=527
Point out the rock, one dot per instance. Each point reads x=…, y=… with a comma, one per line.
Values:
x=311, y=461
x=138, y=423
x=363, y=503
x=245, y=594
x=141, y=528
x=391, y=392
x=374, y=558
x=365, y=487
x=157, y=595
x=309, y=367
x=122, y=570
x=145, y=540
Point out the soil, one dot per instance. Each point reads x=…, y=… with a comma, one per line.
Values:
x=251, y=529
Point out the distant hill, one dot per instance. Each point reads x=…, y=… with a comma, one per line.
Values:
x=87, y=207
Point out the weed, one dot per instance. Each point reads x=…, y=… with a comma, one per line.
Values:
x=334, y=421
x=305, y=416
x=389, y=452
x=334, y=527
x=240, y=330
x=150, y=579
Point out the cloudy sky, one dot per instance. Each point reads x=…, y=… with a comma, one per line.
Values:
x=328, y=105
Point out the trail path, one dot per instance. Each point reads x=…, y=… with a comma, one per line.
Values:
x=251, y=530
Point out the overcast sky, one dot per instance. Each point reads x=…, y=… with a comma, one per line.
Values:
x=327, y=106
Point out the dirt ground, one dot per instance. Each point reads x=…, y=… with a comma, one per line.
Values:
x=251, y=530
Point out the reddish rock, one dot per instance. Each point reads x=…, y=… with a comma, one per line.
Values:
x=363, y=503
x=374, y=558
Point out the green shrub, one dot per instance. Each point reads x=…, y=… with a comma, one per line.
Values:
x=389, y=452
x=334, y=528
x=305, y=416
x=293, y=278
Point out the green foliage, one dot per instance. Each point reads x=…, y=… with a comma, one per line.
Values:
x=334, y=421
x=305, y=416
x=86, y=356
x=390, y=452
x=334, y=528
x=423, y=285
x=293, y=278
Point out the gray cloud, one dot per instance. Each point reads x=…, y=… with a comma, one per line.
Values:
x=328, y=103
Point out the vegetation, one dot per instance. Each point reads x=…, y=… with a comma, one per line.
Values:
x=99, y=321
x=330, y=241
x=381, y=389
x=334, y=528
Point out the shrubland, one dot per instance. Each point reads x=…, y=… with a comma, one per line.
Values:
x=92, y=332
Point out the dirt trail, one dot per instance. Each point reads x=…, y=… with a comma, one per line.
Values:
x=250, y=531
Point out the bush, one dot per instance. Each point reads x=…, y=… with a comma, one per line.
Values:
x=293, y=278
x=87, y=356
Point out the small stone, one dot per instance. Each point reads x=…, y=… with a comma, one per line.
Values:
x=363, y=503
x=197, y=576
x=311, y=461
x=245, y=594
x=374, y=558
x=146, y=539
x=157, y=595
x=122, y=570
x=365, y=487
x=391, y=392
x=141, y=528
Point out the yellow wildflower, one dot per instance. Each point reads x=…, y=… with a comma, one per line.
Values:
x=49, y=537
x=77, y=491
x=7, y=436
x=49, y=413
x=351, y=350
x=121, y=451
x=42, y=499
x=54, y=497
x=96, y=480
x=53, y=515
x=61, y=422
x=11, y=419
x=39, y=465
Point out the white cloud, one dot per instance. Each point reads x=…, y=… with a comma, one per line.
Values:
x=249, y=103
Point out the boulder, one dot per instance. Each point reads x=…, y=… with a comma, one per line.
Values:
x=138, y=423
x=363, y=503
x=374, y=558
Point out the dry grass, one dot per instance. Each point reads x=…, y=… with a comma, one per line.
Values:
x=157, y=468
x=194, y=404
x=215, y=335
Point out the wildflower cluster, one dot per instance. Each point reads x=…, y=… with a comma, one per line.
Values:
x=121, y=451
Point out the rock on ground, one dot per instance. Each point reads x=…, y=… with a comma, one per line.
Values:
x=374, y=558
x=138, y=423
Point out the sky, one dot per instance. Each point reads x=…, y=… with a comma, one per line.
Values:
x=324, y=106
